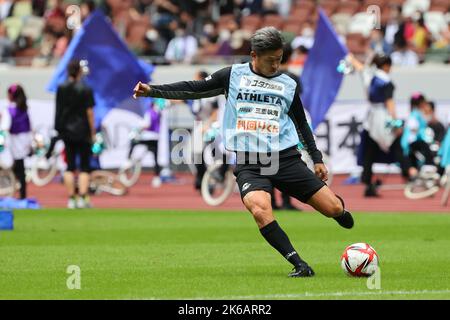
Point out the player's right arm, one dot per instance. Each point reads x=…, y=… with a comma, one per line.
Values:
x=213, y=85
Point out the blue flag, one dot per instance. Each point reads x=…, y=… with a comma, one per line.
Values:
x=320, y=78
x=113, y=69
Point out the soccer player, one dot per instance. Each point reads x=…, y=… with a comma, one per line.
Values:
x=262, y=114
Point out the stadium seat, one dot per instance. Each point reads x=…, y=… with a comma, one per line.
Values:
x=300, y=14
x=251, y=23
x=329, y=6
x=224, y=21
x=357, y=43
x=435, y=22
x=385, y=15
x=292, y=27
x=348, y=6
x=362, y=23
x=380, y=3
x=396, y=2
x=273, y=20
x=440, y=5
x=303, y=5
x=32, y=27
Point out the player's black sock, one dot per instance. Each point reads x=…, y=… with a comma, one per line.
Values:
x=345, y=220
x=280, y=241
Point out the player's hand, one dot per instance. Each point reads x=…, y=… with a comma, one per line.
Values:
x=141, y=90
x=321, y=171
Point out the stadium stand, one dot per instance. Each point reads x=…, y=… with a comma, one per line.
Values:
x=39, y=29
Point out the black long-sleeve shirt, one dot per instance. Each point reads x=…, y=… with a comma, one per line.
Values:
x=218, y=83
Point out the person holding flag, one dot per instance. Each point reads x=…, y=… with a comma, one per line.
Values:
x=382, y=130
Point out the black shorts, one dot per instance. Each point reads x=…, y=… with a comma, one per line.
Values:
x=293, y=177
x=80, y=149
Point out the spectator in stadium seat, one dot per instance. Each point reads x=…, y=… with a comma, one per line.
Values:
x=306, y=38
x=74, y=122
x=86, y=8
x=154, y=45
x=422, y=37
x=208, y=39
x=183, y=47
x=378, y=43
x=39, y=7
x=404, y=56
x=20, y=133
x=393, y=24
x=299, y=56
x=163, y=13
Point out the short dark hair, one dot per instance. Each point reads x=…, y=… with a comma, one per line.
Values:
x=266, y=39
x=74, y=68
x=381, y=60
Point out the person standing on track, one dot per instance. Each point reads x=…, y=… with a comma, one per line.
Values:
x=262, y=109
x=74, y=122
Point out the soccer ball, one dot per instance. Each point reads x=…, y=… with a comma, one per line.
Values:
x=359, y=260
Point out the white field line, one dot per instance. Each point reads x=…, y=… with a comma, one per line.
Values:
x=316, y=295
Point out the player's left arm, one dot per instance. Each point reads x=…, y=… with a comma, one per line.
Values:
x=214, y=85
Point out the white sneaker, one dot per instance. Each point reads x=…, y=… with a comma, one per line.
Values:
x=156, y=182
x=83, y=203
x=71, y=203
x=80, y=203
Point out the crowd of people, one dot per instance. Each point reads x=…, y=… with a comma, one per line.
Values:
x=175, y=31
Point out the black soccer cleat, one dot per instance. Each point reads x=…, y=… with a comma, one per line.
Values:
x=345, y=220
x=301, y=271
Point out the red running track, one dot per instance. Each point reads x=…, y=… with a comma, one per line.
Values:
x=181, y=195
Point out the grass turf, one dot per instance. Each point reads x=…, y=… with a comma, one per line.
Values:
x=137, y=254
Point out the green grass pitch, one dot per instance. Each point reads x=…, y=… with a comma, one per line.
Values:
x=149, y=254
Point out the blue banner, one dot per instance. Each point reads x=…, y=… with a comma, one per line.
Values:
x=113, y=69
x=320, y=78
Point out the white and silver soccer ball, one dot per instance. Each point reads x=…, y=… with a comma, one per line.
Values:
x=359, y=260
